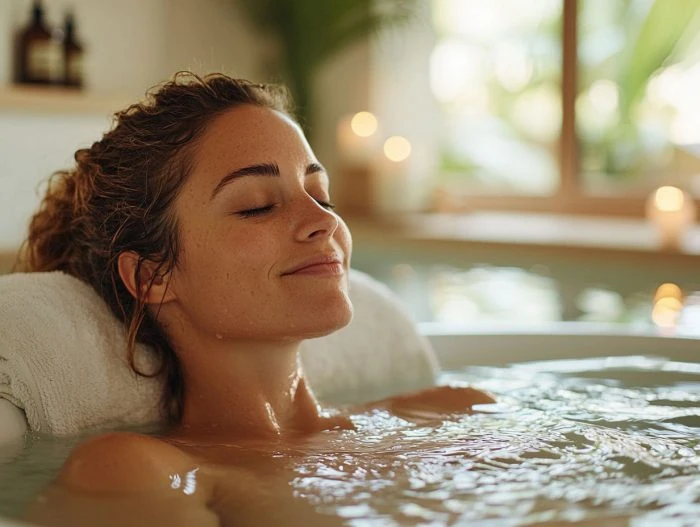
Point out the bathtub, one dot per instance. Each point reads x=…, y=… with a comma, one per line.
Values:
x=458, y=345
x=490, y=347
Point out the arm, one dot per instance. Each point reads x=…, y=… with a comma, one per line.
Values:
x=434, y=402
x=126, y=479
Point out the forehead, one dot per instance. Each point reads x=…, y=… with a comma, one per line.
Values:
x=248, y=135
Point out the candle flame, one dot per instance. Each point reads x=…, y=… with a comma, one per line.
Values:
x=668, y=290
x=668, y=305
x=669, y=199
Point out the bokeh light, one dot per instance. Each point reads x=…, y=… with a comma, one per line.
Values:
x=669, y=199
x=364, y=124
x=397, y=148
x=668, y=305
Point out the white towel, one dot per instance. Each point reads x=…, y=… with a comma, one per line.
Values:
x=379, y=354
x=63, y=359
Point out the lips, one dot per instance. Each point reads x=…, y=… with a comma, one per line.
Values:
x=330, y=263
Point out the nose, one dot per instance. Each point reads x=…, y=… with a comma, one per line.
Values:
x=314, y=221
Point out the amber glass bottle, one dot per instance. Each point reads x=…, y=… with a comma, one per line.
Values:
x=40, y=57
x=72, y=55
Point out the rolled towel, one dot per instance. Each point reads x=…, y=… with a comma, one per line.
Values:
x=379, y=354
x=63, y=359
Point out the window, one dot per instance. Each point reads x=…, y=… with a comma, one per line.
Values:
x=581, y=106
x=496, y=72
x=637, y=102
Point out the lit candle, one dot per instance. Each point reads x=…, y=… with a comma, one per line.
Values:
x=668, y=305
x=392, y=174
x=397, y=149
x=672, y=212
x=357, y=138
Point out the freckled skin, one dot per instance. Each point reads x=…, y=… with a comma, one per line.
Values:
x=228, y=275
x=235, y=318
x=232, y=313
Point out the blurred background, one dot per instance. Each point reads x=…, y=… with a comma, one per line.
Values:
x=500, y=162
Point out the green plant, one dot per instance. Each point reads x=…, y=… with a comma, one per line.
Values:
x=657, y=40
x=654, y=46
x=309, y=32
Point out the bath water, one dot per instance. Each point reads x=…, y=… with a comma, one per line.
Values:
x=613, y=441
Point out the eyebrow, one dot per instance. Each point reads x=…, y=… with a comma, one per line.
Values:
x=262, y=169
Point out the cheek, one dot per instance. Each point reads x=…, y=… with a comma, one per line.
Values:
x=343, y=238
x=223, y=283
x=232, y=273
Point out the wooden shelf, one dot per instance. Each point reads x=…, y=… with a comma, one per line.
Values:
x=58, y=100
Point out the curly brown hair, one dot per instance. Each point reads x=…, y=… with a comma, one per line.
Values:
x=120, y=197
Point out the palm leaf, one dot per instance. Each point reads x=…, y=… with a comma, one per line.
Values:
x=654, y=45
x=309, y=32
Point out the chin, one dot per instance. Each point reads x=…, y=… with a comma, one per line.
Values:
x=329, y=320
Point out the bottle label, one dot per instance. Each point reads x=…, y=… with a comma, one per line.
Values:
x=44, y=60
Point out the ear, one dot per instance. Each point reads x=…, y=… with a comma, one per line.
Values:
x=158, y=293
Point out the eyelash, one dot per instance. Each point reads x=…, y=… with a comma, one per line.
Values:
x=251, y=213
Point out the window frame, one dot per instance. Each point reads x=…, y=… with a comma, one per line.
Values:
x=570, y=198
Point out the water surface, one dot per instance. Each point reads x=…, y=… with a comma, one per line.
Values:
x=612, y=441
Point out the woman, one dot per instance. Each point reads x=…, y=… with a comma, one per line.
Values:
x=204, y=220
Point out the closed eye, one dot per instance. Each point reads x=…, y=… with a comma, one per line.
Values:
x=259, y=211
x=325, y=204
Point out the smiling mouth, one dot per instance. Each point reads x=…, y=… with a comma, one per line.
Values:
x=327, y=265
x=320, y=269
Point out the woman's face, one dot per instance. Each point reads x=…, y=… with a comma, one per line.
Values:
x=262, y=255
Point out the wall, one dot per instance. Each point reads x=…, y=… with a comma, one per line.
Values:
x=401, y=97
x=132, y=45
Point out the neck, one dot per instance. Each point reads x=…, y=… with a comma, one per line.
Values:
x=243, y=389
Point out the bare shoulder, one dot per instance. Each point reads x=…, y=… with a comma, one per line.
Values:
x=122, y=461
x=122, y=479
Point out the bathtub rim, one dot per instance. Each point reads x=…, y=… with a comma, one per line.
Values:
x=457, y=345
